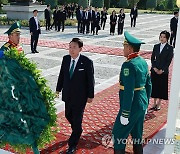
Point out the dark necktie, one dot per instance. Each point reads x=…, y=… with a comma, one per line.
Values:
x=71, y=69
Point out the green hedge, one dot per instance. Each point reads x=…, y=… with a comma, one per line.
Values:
x=25, y=23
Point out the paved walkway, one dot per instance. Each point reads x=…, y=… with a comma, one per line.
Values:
x=107, y=65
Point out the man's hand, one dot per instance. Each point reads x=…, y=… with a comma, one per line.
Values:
x=57, y=94
x=124, y=121
x=159, y=72
x=155, y=69
x=89, y=100
x=31, y=33
x=171, y=32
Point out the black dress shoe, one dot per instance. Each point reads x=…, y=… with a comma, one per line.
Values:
x=32, y=51
x=153, y=108
x=137, y=149
x=157, y=108
x=71, y=150
x=122, y=151
x=36, y=51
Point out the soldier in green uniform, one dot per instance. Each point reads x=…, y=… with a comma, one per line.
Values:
x=135, y=90
x=14, y=38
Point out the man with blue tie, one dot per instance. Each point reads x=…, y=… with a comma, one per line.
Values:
x=34, y=26
x=76, y=81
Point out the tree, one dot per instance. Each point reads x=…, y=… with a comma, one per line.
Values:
x=97, y=3
x=83, y=3
x=123, y=3
x=53, y=3
x=107, y=4
x=133, y=2
x=142, y=4
x=151, y=4
x=170, y=5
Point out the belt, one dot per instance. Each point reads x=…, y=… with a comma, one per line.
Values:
x=135, y=89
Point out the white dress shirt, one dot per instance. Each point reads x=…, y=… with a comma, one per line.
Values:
x=76, y=60
x=162, y=46
x=36, y=20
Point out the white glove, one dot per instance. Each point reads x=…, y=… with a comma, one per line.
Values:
x=146, y=112
x=124, y=121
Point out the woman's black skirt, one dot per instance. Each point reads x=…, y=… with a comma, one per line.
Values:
x=159, y=86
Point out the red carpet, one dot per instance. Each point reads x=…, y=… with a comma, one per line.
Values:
x=88, y=48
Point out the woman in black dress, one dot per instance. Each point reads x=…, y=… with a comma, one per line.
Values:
x=113, y=19
x=121, y=18
x=161, y=59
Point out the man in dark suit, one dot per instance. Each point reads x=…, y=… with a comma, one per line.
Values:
x=96, y=20
x=35, y=30
x=91, y=18
x=47, y=15
x=61, y=18
x=173, y=27
x=86, y=21
x=133, y=15
x=80, y=17
x=76, y=80
x=55, y=18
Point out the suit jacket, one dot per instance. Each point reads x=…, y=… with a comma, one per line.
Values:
x=134, y=13
x=80, y=16
x=47, y=14
x=33, y=26
x=55, y=14
x=162, y=60
x=121, y=18
x=81, y=86
x=92, y=15
x=103, y=15
x=61, y=15
x=113, y=20
x=89, y=16
x=96, y=18
x=173, y=24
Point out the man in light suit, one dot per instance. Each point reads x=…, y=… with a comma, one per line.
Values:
x=35, y=30
x=76, y=80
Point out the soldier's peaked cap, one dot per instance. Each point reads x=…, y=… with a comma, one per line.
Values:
x=15, y=28
x=131, y=40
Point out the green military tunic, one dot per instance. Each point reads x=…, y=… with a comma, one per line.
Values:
x=7, y=46
x=135, y=90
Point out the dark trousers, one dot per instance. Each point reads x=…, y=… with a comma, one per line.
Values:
x=61, y=22
x=120, y=28
x=173, y=39
x=74, y=116
x=80, y=26
x=55, y=23
x=112, y=28
x=96, y=26
x=103, y=23
x=69, y=14
x=34, y=40
x=72, y=14
x=48, y=24
x=86, y=24
x=133, y=21
x=92, y=26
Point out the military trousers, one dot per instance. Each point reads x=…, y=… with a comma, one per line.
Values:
x=135, y=128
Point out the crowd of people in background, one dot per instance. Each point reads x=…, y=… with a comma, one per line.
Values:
x=89, y=19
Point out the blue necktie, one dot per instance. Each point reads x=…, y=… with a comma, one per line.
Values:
x=71, y=69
